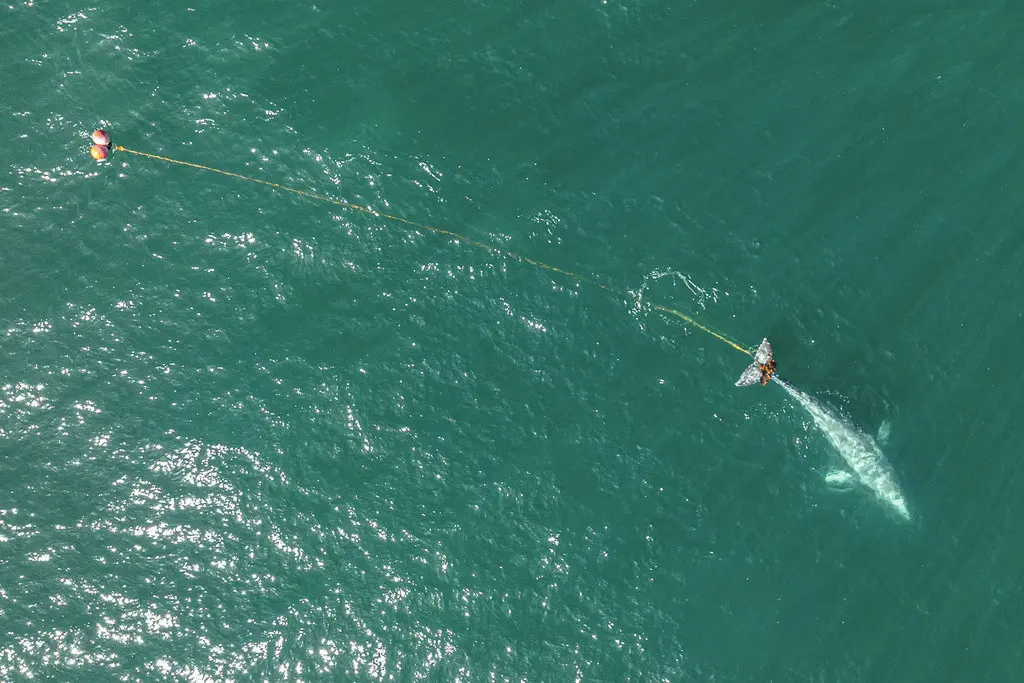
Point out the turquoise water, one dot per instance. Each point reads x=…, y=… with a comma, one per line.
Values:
x=245, y=435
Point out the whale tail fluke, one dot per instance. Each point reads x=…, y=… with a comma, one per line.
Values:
x=761, y=370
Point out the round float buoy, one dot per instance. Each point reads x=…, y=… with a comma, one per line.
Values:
x=99, y=152
x=100, y=137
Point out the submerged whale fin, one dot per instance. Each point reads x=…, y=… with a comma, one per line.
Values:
x=884, y=430
x=840, y=479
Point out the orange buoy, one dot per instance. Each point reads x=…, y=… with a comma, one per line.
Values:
x=100, y=137
x=99, y=152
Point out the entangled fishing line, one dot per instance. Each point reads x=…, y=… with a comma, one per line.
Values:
x=100, y=150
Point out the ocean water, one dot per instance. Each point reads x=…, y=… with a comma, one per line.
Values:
x=246, y=435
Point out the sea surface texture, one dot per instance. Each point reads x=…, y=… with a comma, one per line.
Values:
x=247, y=434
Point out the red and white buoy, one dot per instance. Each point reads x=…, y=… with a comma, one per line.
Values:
x=100, y=149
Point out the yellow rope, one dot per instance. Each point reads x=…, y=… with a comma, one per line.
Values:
x=439, y=231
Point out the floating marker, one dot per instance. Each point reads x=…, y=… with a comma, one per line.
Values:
x=100, y=149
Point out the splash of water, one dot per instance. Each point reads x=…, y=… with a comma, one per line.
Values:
x=861, y=452
x=701, y=295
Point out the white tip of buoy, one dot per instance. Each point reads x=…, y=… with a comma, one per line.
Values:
x=100, y=137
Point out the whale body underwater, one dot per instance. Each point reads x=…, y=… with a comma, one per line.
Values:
x=860, y=452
